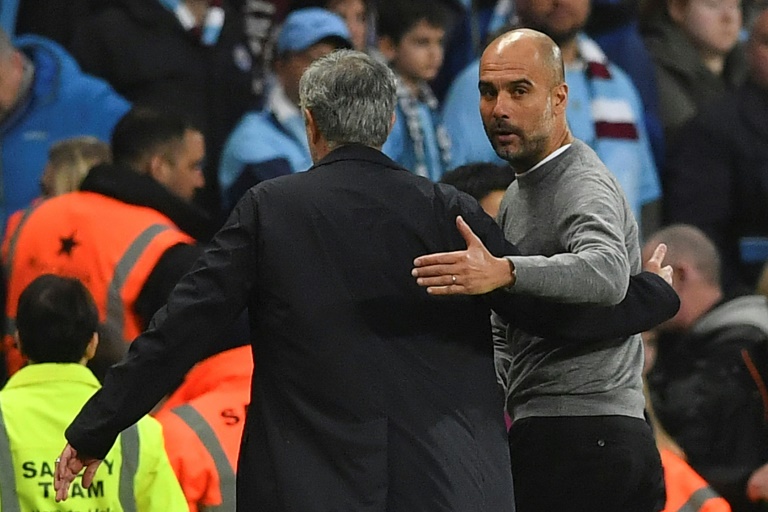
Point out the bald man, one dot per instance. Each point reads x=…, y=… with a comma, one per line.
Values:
x=579, y=441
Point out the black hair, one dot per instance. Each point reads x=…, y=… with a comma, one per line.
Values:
x=396, y=17
x=480, y=179
x=143, y=131
x=56, y=319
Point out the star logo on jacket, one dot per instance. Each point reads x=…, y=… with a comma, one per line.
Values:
x=68, y=244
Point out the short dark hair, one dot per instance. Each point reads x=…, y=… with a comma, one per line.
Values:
x=144, y=131
x=399, y=16
x=56, y=319
x=480, y=179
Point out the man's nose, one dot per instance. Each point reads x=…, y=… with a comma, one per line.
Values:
x=501, y=106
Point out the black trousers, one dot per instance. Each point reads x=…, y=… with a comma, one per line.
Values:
x=585, y=464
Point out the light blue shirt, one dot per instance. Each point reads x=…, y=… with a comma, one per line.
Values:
x=275, y=133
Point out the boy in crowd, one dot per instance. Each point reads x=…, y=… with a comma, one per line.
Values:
x=411, y=38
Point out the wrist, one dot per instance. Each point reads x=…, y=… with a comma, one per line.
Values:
x=507, y=276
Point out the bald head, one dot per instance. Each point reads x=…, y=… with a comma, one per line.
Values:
x=688, y=244
x=523, y=97
x=547, y=53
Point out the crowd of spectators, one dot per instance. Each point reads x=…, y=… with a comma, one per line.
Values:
x=129, y=129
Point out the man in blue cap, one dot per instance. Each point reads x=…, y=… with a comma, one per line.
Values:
x=272, y=142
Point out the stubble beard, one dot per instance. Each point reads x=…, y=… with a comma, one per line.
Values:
x=528, y=154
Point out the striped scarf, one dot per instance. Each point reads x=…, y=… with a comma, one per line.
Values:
x=208, y=33
x=613, y=117
x=409, y=104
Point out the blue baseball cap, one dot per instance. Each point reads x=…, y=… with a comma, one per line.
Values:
x=305, y=27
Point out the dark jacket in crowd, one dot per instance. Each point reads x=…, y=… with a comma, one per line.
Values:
x=685, y=84
x=718, y=180
x=706, y=390
x=140, y=48
x=370, y=394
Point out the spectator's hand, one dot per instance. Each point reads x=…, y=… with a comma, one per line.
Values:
x=757, y=485
x=654, y=264
x=470, y=272
x=68, y=466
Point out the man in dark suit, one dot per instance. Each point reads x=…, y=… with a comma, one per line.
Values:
x=369, y=394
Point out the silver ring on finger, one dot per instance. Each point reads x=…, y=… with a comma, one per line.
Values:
x=453, y=278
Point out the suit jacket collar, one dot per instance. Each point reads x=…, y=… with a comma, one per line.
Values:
x=357, y=152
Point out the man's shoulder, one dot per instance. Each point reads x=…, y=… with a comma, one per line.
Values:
x=258, y=136
x=581, y=158
x=745, y=312
x=583, y=175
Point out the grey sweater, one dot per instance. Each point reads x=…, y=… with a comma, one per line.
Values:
x=571, y=214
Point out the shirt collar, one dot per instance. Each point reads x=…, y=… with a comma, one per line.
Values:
x=43, y=373
x=279, y=104
x=551, y=156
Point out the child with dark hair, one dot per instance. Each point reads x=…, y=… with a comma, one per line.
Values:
x=484, y=181
x=57, y=321
x=411, y=38
x=56, y=329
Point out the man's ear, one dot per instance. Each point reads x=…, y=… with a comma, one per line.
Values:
x=90, y=349
x=560, y=98
x=313, y=134
x=682, y=275
x=157, y=167
x=387, y=47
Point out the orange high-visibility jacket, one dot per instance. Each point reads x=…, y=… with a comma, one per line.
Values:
x=202, y=437
x=687, y=490
x=111, y=246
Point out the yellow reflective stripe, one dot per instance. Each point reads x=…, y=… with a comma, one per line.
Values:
x=129, y=443
x=10, y=323
x=698, y=499
x=9, y=502
x=115, y=306
x=227, y=479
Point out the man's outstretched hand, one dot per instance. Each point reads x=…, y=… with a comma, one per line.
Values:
x=68, y=466
x=473, y=271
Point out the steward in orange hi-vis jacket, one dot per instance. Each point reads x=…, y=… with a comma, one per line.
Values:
x=112, y=253
x=687, y=491
x=202, y=437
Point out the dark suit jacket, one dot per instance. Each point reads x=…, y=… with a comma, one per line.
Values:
x=370, y=395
